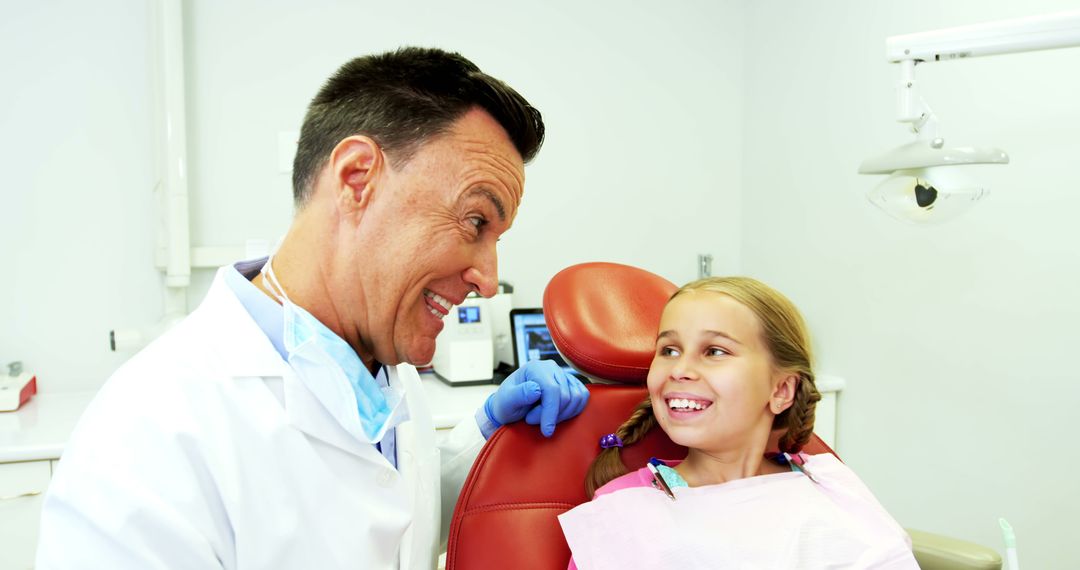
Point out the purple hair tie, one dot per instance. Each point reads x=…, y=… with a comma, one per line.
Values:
x=611, y=440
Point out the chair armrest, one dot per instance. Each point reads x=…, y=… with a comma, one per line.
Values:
x=936, y=552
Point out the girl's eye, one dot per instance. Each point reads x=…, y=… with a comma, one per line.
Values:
x=715, y=351
x=669, y=351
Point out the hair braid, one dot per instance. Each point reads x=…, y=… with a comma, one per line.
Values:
x=799, y=418
x=608, y=463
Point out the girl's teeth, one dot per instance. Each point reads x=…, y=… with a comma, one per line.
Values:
x=681, y=404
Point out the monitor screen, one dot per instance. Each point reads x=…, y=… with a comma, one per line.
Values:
x=469, y=314
x=532, y=340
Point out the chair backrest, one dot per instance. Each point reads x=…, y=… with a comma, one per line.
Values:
x=603, y=318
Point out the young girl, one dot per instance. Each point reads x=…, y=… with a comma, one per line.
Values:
x=732, y=367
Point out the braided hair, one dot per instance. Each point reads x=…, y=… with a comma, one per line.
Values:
x=608, y=463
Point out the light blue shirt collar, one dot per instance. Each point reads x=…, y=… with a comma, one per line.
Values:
x=264, y=310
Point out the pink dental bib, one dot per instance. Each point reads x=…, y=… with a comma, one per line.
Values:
x=770, y=521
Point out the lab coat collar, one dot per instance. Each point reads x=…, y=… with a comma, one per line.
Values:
x=243, y=346
x=245, y=351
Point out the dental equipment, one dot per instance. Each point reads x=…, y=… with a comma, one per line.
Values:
x=925, y=186
x=1010, y=544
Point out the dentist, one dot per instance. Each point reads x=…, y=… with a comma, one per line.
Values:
x=282, y=424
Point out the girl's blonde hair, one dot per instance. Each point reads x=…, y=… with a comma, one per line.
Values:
x=788, y=342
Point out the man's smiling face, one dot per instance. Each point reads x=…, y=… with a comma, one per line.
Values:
x=428, y=239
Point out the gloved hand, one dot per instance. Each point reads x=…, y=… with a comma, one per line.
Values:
x=540, y=393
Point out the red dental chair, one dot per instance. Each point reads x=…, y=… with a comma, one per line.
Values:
x=603, y=318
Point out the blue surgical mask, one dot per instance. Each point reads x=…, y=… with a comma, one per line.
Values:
x=326, y=363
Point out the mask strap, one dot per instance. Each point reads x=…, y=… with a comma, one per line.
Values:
x=273, y=285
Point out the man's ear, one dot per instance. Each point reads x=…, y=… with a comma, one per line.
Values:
x=784, y=393
x=355, y=164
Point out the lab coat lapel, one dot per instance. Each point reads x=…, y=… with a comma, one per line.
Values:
x=418, y=462
x=310, y=416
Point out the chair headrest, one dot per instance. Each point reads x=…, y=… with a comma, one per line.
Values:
x=603, y=318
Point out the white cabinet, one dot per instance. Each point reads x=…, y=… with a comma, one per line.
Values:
x=825, y=419
x=31, y=439
x=825, y=414
x=22, y=490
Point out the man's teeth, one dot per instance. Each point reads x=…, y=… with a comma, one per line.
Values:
x=684, y=404
x=440, y=300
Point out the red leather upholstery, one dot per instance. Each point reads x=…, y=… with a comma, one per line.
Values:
x=506, y=515
x=603, y=318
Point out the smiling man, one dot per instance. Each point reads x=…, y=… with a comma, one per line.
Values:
x=282, y=424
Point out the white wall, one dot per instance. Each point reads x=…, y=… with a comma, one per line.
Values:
x=644, y=141
x=956, y=340
x=77, y=215
x=643, y=119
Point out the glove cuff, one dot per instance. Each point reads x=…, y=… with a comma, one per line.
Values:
x=490, y=415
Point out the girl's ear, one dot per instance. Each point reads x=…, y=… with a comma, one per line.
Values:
x=784, y=393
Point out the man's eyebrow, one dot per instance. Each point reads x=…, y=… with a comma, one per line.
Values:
x=495, y=201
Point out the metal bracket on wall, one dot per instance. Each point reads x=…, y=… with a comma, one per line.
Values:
x=704, y=262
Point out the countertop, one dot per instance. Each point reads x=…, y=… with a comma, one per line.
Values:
x=41, y=427
x=451, y=404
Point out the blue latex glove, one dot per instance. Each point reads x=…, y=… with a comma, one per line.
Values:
x=540, y=393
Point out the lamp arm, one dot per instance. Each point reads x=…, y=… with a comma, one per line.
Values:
x=1049, y=31
x=910, y=106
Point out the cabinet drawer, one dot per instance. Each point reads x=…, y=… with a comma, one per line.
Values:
x=22, y=488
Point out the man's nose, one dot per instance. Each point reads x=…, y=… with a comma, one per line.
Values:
x=484, y=274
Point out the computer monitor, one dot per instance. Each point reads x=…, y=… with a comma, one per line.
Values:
x=532, y=339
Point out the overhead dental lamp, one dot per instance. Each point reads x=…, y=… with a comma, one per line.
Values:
x=927, y=180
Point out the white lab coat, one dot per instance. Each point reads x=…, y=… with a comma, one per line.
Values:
x=206, y=451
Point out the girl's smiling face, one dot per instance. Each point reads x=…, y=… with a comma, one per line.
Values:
x=712, y=381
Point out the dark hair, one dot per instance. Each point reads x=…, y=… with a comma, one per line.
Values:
x=401, y=99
